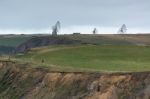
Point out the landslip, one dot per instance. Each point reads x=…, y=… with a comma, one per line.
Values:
x=22, y=81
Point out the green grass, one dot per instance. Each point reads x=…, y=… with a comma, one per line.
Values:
x=99, y=58
x=100, y=39
x=13, y=40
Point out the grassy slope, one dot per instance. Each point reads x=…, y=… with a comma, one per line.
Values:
x=121, y=55
x=14, y=40
x=104, y=57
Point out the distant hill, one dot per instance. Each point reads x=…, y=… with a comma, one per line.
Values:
x=13, y=40
x=84, y=39
x=22, y=43
x=7, y=49
x=45, y=41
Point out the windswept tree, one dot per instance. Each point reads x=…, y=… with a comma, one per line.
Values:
x=56, y=28
x=123, y=29
x=94, y=31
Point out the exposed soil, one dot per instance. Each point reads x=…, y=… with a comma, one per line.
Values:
x=21, y=81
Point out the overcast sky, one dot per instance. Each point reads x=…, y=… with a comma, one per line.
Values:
x=37, y=16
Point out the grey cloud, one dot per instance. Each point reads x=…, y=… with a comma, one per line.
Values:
x=26, y=14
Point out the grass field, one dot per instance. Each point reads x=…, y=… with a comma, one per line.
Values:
x=92, y=57
x=13, y=40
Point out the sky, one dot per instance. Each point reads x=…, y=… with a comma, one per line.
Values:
x=38, y=16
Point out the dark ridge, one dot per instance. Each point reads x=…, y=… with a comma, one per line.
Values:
x=45, y=41
x=7, y=49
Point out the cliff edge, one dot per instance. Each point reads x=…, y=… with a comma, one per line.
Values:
x=21, y=81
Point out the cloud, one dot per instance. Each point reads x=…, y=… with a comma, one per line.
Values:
x=40, y=14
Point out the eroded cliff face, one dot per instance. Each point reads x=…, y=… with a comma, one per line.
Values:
x=20, y=81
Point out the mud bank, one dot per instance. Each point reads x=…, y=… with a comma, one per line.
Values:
x=20, y=81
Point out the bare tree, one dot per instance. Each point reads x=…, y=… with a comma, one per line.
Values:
x=94, y=31
x=56, y=28
x=123, y=29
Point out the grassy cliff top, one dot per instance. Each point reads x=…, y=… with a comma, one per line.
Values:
x=92, y=57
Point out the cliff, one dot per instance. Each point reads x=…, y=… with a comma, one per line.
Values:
x=21, y=81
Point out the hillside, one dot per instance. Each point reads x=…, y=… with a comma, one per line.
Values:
x=13, y=40
x=128, y=39
x=91, y=57
x=22, y=43
x=77, y=67
x=21, y=81
x=45, y=41
x=8, y=43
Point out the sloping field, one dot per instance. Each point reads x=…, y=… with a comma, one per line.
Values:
x=83, y=39
x=13, y=40
x=113, y=38
x=92, y=57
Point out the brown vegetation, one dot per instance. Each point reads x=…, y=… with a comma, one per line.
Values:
x=20, y=81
